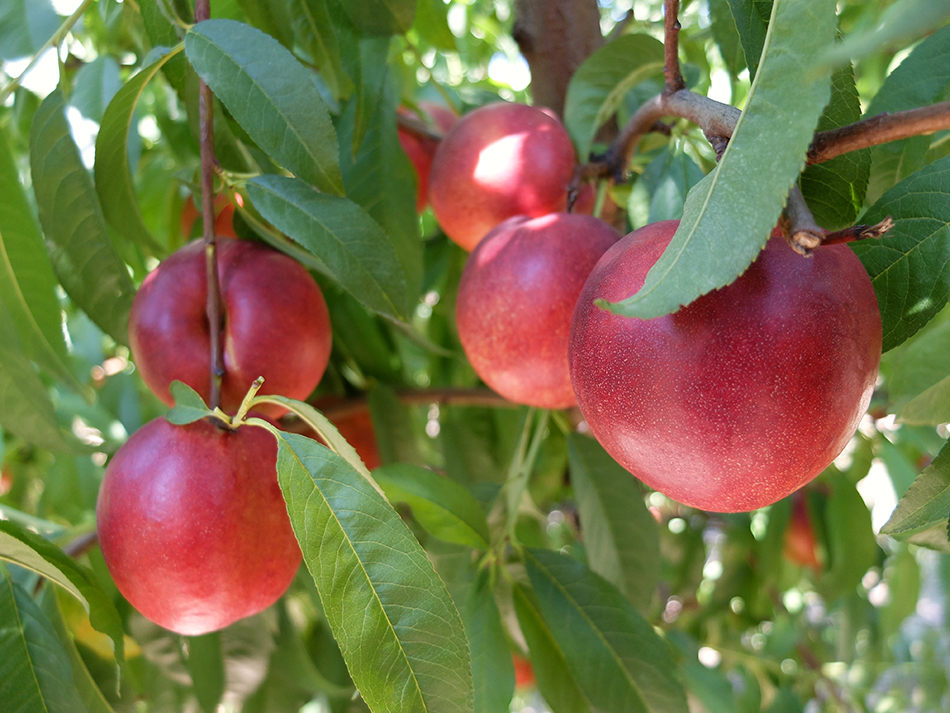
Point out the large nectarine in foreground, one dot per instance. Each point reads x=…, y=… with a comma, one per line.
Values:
x=515, y=302
x=497, y=162
x=275, y=324
x=193, y=526
x=743, y=396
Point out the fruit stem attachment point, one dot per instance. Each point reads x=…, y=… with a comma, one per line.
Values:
x=248, y=397
x=801, y=231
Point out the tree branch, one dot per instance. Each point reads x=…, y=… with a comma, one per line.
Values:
x=671, y=60
x=417, y=127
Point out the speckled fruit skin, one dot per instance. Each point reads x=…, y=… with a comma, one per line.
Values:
x=499, y=161
x=742, y=397
x=276, y=324
x=515, y=302
x=193, y=526
x=421, y=150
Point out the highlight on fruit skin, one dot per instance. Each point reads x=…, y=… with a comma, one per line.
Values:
x=515, y=302
x=193, y=526
x=740, y=398
x=499, y=161
x=275, y=324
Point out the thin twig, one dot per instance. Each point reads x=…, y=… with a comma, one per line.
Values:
x=206, y=119
x=879, y=129
x=417, y=127
x=858, y=232
x=671, y=60
x=53, y=41
x=801, y=231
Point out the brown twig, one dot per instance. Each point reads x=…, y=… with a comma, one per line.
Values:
x=858, y=232
x=801, y=231
x=879, y=129
x=671, y=60
x=206, y=119
x=417, y=127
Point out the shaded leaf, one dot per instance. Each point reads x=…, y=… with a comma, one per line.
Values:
x=373, y=72
x=189, y=406
x=752, y=23
x=271, y=96
x=617, y=658
x=313, y=26
x=599, y=85
x=84, y=258
x=96, y=84
x=852, y=549
x=27, y=282
x=926, y=504
x=161, y=33
x=112, y=170
x=432, y=24
x=35, y=674
x=206, y=666
x=352, y=247
x=729, y=215
x=932, y=407
x=31, y=551
x=382, y=17
x=399, y=632
x=726, y=33
x=620, y=534
x=442, y=506
x=25, y=25
x=920, y=364
x=660, y=193
x=392, y=424
x=556, y=680
x=909, y=266
x=492, y=670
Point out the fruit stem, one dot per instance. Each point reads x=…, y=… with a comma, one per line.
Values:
x=213, y=307
x=248, y=397
x=801, y=231
x=522, y=465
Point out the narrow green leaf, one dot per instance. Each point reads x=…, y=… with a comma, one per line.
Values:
x=620, y=534
x=851, y=544
x=392, y=423
x=25, y=406
x=25, y=25
x=835, y=189
x=920, y=364
x=112, y=170
x=400, y=634
x=618, y=659
x=710, y=686
x=382, y=17
x=556, y=680
x=909, y=266
x=381, y=180
x=442, y=506
x=931, y=408
x=353, y=248
x=96, y=84
x=27, y=282
x=373, y=71
x=35, y=674
x=162, y=33
x=729, y=215
x=84, y=258
x=752, y=23
x=206, y=666
x=599, y=85
x=492, y=670
x=31, y=551
x=189, y=406
x=313, y=26
x=726, y=33
x=271, y=96
x=432, y=24
x=660, y=193
x=926, y=504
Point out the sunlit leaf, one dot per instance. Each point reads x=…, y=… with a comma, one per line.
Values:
x=926, y=504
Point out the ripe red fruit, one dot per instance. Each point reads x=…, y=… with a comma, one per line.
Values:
x=275, y=324
x=800, y=544
x=745, y=395
x=193, y=526
x=499, y=161
x=420, y=149
x=515, y=302
x=524, y=672
x=224, y=215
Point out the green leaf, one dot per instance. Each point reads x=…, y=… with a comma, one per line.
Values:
x=931, y=408
x=96, y=84
x=432, y=24
x=442, y=506
x=727, y=35
x=556, y=680
x=729, y=215
x=599, y=85
x=400, y=634
x=313, y=26
x=349, y=243
x=27, y=282
x=113, y=173
x=616, y=656
x=752, y=23
x=381, y=179
x=25, y=406
x=162, y=33
x=84, y=258
x=392, y=423
x=206, y=666
x=835, y=190
x=492, y=670
x=35, y=674
x=31, y=551
x=660, y=193
x=382, y=17
x=852, y=548
x=271, y=96
x=620, y=534
x=920, y=364
x=373, y=72
x=710, y=686
x=189, y=406
x=909, y=266
x=926, y=504
x=25, y=25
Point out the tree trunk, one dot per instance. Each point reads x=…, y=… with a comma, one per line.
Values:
x=555, y=36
